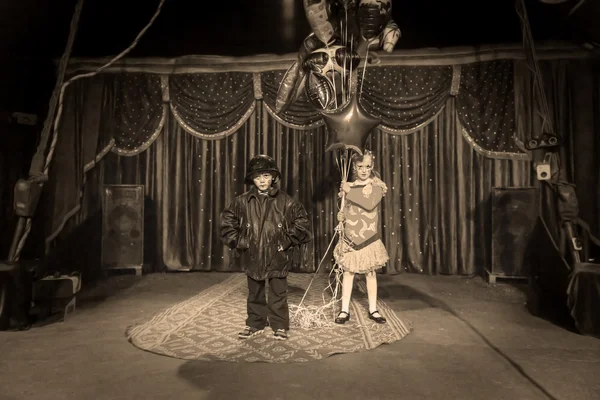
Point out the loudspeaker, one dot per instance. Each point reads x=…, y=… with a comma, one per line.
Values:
x=123, y=227
x=514, y=216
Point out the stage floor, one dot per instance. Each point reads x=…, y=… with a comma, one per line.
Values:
x=470, y=341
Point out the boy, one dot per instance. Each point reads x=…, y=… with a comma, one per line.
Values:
x=262, y=225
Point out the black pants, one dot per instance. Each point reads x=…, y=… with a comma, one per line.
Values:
x=276, y=310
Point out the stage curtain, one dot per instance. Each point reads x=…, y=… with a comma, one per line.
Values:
x=436, y=215
x=188, y=181
x=126, y=112
x=85, y=131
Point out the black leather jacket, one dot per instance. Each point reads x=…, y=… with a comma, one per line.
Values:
x=256, y=225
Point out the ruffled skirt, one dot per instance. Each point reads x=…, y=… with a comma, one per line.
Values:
x=367, y=259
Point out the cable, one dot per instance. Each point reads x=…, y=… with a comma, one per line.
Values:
x=533, y=65
x=35, y=174
x=576, y=7
x=93, y=73
x=42, y=176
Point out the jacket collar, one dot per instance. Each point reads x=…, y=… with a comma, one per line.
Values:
x=254, y=192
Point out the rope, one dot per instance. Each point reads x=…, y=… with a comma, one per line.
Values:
x=36, y=175
x=17, y=254
x=362, y=81
x=544, y=113
x=90, y=74
x=534, y=67
x=318, y=267
x=314, y=316
x=576, y=7
x=549, y=233
x=586, y=227
x=35, y=171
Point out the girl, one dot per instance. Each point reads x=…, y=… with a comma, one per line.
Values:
x=361, y=250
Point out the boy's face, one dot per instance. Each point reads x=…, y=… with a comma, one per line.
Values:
x=364, y=168
x=263, y=180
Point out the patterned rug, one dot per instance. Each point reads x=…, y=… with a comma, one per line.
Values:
x=205, y=327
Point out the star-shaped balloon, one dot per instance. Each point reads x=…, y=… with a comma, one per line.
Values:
x=349, y=126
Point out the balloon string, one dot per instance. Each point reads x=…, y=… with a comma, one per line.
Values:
x=335, y=90
x=341, y=82
x=362, y=81
x=345, y=40
x=315, y=274
x=349, y=83
x=346, y=28
x=345, y=84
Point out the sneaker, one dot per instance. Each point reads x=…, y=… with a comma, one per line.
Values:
x=280, y=334
x=249, y=332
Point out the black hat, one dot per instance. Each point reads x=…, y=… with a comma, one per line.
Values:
x=261, y=163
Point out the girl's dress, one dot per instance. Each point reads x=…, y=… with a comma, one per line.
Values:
x=361, y=250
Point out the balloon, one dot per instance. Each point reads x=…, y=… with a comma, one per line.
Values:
x=390, y=35
x=387, y=40
x=293, y=80
x=326, y=51
x=331, y=59
x=318, y=14
x=287, y=87
x=317, y=61
x=373, y=15
x=333, y=64
x=310, y=44
x=349, y=126
x=346, y=58
x=319, y=90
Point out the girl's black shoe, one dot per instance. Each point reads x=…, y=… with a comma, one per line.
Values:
x=379, y=320
x=342, y=317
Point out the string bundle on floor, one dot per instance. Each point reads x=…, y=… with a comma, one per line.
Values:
x=318, y=315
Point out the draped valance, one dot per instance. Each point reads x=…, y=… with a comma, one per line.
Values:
x=486, y=107
x=406, y=98
x=139, y=112
x=213, y=105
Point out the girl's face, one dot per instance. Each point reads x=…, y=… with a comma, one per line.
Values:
x=364, y=168
x=263, y=181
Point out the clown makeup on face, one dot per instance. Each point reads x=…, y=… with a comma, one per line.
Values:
x=363, y=168
x=263, y=181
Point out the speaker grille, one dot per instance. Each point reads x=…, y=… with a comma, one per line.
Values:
x=123, y=226
x=514, y=215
